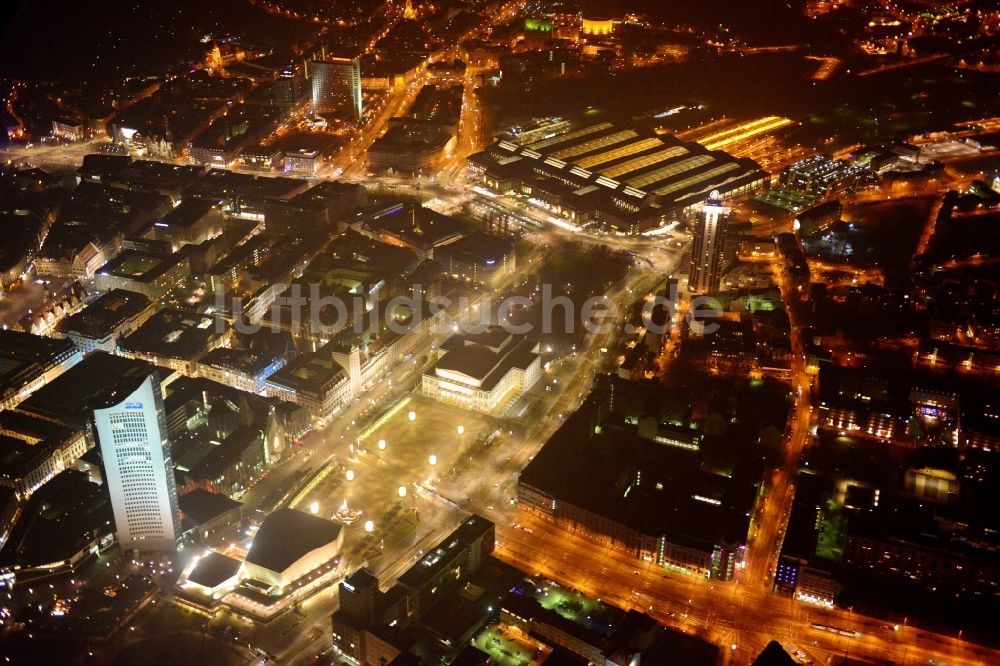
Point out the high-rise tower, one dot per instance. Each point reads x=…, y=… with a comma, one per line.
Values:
x=131, y=430
x=336, y=86
x=706, y=249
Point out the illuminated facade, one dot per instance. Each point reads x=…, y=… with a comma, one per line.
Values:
x=486, y=372
x=706, y=249
x=132, y=433
x=622, y=178
x=598, y=27
x=336, y=86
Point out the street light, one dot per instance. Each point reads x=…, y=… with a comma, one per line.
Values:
x=314, y=507
x=350, y=475
x=402, y=491
x=369, y=526
x=461, y=430
x=433, y=459
x=381, y=445
x=412, y=415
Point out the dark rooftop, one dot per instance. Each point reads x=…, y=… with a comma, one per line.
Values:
x=361, y=579
x=484, y=362
x=202, y=506
x=307, y=143
x=158, y=176
x=107, y=313
x=24, y=356
x=103, y=165
x=470, y=655
x=98, y=379
x=773, y=655
x=20, y=238
x=474, y=527
x=219, y=184
x=313, y=372
x=20, y=347
x=172, y=333
x=214, y=569
x=477, y=248
x=241, y=360
x=139, y=265
x=417, y=226
x=286, y=535
x=188, y=212
x=680, y=496
x=58, y=520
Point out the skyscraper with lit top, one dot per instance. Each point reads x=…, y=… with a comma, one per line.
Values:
x=706, y=249
x=131, y=430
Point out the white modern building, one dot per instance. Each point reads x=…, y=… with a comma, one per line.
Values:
x=289, y=545
x=486, y=372
x=132, y=433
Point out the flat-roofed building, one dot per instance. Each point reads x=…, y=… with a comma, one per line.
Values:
x=319, y=207
x=60, y=528
x=176, y=339
x=211, y=574
x=261, y=158
x=623, y=178
x=305, y=153
x=661, y=497
x=822, y=175
x=291, y=544
x=818, y=219
x=100, y=324
x=486, y=372
x=29, y=361
x=191, y=221
x=240, y=368
x=151, y=275
x=479, y=259
x=209, y=516
x=411, y=146
x=314, y=380
x=336, y=86
x=453, y=560
x=415, y=227
x=33, y=450
x=162, y=177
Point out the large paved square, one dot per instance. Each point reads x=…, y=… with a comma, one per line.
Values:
x=366, y=485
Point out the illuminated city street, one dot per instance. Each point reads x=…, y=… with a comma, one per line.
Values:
x=393, y=332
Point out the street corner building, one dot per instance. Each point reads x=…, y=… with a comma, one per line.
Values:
x=486, y=372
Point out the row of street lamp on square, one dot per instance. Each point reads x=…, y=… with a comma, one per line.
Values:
x=369, y=525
